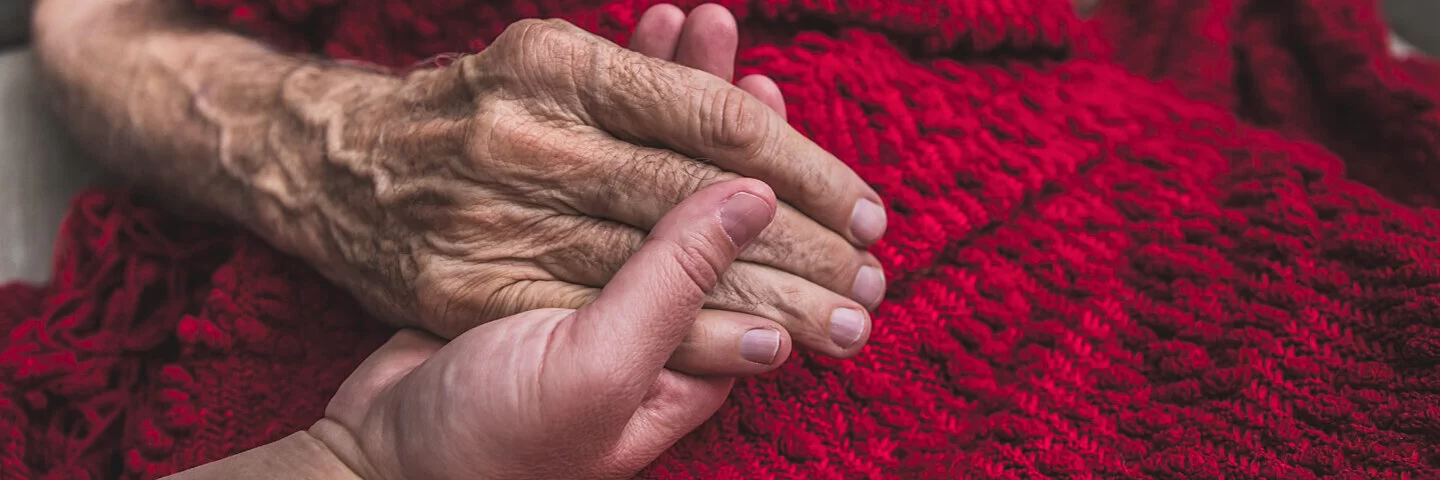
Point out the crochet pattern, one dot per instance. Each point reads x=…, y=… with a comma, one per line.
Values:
x=1180, y=240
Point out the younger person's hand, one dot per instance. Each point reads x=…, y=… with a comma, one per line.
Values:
x=556, y=393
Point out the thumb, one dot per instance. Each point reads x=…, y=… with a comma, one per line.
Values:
x=634, y=326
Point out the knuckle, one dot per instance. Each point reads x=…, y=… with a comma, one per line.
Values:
x=746, y=294
x=543, y=45
x=833, y=259
x=671, y=177
x=513, y=36
x=640, y=164
x=550, y=34
x=454, y=300
x=744, y=290
x=838, y=275
x=694, y=176
x=529, y=158
x=739, y=123
x=588, y=252
x=698, y=268
x=830, y=267
x=644, y=166
x=797, y=245
x=633, y=83
x=528, y=31
x=694, y=255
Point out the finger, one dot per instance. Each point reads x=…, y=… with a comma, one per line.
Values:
x=806, y=308
x=817, y=319
x=638, y=320
x=719, y=343
x=468, y=292
x=765, y=89
x=650, y=101
x=701, y=116
x=731, y=344
x=658, y=32
x=805, y=249
x=708, y=41
x=658, y=179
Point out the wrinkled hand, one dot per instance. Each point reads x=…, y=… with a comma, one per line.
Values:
x=555, y=393
x=524, y=176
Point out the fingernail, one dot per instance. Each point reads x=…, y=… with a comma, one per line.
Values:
x=760, y=345
x=869, y=286
x=867, y=221
x=743, y=216
x=846, y=326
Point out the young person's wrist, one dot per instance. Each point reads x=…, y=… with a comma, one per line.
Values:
x=299, y=455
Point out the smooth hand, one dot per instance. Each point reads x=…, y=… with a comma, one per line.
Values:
x=555, y=393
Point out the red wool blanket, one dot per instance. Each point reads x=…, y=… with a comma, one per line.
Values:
x=1182, y=240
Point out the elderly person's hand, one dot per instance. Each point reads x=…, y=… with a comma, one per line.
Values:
x=555, y=393
x=515, y=179
x=524, y=176
x=542, y=394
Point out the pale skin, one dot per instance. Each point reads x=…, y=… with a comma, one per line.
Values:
x=551, y=393
x=461, y=202
x=664, y=33
x=515, y=179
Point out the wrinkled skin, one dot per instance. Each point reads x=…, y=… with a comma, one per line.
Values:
x=545, y=393
x=552, y=153
x=554, y=393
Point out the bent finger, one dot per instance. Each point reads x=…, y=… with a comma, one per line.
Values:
x=659, y=179
x=817, y=319
x=765, y=89
x=705, y=117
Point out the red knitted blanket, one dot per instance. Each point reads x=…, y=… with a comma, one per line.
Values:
x=1183, y=240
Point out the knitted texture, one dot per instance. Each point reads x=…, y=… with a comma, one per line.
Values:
x=1120, y=248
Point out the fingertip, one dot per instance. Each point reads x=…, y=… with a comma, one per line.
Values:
x=765, y=89
x=764, y=346
x=748, y=185
x=743, y=217
x=708, y=41
x=655, y=295
x=753, y=187
x=657, y=33
x=725, y=343
x=849, y=330
x=869, y=286
x=868, y=221
x=715, y=16
x=747, y=212
x=665, y=15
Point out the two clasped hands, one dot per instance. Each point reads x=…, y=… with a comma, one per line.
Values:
x=677, y=275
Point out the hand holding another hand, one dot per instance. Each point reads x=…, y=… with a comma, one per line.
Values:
x=524, y=177
x=555, y=393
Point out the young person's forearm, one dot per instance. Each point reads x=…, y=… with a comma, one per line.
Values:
x=199, y=115
x=297, y=456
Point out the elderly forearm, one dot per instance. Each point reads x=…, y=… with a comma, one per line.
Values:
x=199, y=115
